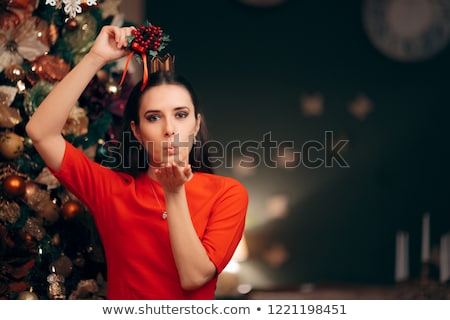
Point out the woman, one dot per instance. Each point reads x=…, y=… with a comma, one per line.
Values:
x=167, y=230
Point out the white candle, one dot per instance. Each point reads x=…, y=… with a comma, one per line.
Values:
x=426, y=237
x=444, y=263
x=401, y=256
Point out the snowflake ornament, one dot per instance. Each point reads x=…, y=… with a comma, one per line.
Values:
x=71, y=7
x=54, y=3
x=51, y=2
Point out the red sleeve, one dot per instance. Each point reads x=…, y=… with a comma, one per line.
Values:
x=226, y=225
x=89, y=181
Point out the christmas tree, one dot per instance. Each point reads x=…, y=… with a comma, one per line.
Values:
x=49, y=246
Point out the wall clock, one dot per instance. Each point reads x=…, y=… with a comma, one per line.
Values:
x=408, y=30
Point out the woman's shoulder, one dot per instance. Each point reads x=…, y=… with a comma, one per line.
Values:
x=215, y=182
x=226, y=193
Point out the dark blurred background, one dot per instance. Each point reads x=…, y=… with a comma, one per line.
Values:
x=296, y=71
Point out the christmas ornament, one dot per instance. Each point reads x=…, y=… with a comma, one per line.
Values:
x=48, y=211
x=71, y=7
x=48, y=179
x=63, y=266
x=49, y=67
x=15, y=72
x=21, y=86
x=10, y=211
x=77, y=123
x=11, y=145
x=33, y=226
x=14, y=186
x=113, y=88
x=71, y=208
x=80, y=40
x=56, y=289
x=28, y=295
x=27, y=142
x=72, y=24
x=27, y=41
x=8, y=19
x=9, y=117
x=39, y=201
x=145, y=41
x=36, y=95
x=15, y=12
x=30, y=191
x=7, y=95
x=88, y=3
x=85, y=290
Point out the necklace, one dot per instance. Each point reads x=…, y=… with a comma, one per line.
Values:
x=164, y=212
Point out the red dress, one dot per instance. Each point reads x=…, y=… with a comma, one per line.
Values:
x=139, y=258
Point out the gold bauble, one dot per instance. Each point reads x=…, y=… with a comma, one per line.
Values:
x=27, y=295
x=63, y=266
x=71, y=24
x=11, y=145
x=14, y=186
x=31, y=190
x=71, y=208
x=27, y=142
x=48, y=211
x=15, y=72
x=113, y=88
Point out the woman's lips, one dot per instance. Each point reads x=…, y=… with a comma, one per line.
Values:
x=170, y=150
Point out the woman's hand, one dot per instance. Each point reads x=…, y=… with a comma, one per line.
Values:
x=172, y=177
x=111, y=43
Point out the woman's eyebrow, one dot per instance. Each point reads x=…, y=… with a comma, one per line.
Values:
x=151, y=111
x=174, y=109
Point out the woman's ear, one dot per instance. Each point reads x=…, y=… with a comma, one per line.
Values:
x=135, y=130
x=198, y=123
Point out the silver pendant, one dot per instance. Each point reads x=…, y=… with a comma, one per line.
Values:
x=164, y=215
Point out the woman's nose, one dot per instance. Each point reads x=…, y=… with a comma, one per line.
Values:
x=169, y=129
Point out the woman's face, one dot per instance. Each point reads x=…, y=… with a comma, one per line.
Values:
x=167, y=124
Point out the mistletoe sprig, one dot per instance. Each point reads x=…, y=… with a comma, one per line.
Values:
x=148, y=39
x=144, y=42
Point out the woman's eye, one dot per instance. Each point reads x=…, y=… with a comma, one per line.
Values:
x=153, y=117
x=182, y=114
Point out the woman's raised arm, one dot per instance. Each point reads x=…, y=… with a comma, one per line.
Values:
x=46, y=124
